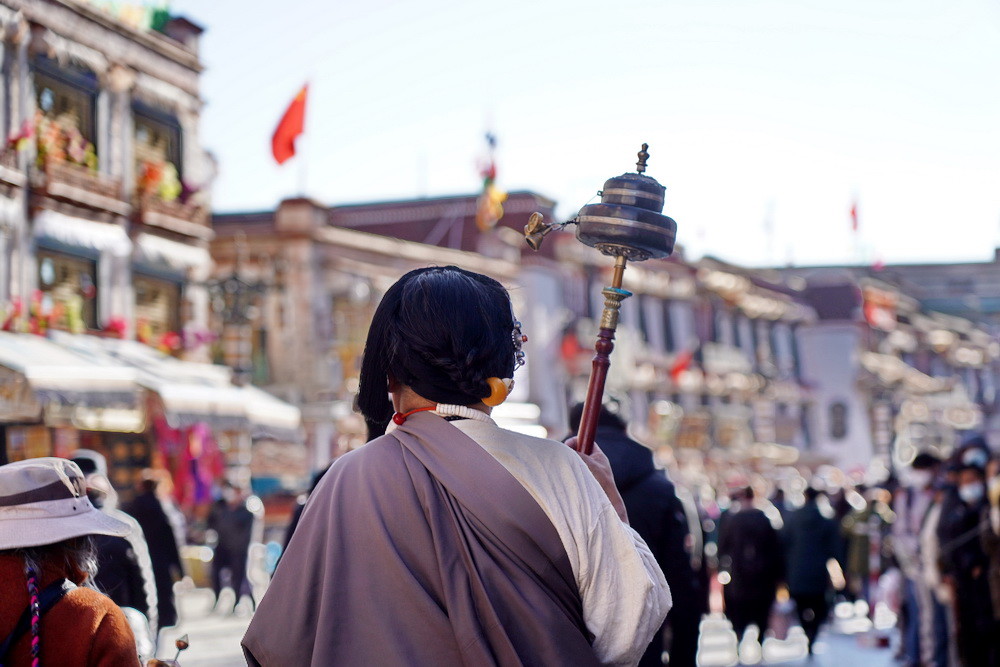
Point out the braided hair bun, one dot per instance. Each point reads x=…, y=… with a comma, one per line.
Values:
x=442, y=331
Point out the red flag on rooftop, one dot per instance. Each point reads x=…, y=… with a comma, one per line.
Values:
x=291, y=126
x=854, y=217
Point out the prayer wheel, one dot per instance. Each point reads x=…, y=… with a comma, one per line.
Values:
x=628, y=224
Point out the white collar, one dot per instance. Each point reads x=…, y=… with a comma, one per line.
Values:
x=445, y=410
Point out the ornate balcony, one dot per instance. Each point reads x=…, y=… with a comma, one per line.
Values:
x=9, y=169
x=79, y=184
x=188, y=218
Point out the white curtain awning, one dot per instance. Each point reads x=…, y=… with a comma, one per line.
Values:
x=49, y=366
x=74, y=231
x=194, y=393
x=88, y=393
x=182, y=256
x=271, y=417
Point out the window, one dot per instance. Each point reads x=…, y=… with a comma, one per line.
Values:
x=668, y=328
x=157, y=152
x=157, y=306
x=261, y=368
x=838, y=420
x=65, y=101
x=68, y=286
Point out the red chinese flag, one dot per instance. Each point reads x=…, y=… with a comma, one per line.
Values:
x=290, y=127
x=854, y=217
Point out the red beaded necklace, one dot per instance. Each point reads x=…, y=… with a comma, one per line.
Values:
x=399, y=417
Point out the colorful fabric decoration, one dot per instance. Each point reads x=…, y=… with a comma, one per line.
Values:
x=489, y=207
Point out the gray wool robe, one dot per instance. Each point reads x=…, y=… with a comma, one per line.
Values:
x=420, y=548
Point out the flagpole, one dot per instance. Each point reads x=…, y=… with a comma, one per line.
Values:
x=303, y=164
x=303, y=153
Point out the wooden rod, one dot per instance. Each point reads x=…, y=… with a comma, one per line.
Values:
x=613, y=297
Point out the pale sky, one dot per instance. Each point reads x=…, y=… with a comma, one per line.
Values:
x=767, y=114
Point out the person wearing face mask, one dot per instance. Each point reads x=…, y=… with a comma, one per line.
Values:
x=147, y=509
x=991, y=541
x=911, y=504
x=965, y=564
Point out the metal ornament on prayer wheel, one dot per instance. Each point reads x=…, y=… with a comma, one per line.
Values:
x=628, y=224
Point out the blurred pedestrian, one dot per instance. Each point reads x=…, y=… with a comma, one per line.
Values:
x=912, y=506
x=233, y=524
x=810, y=541
x=124, y=568
x=299, y=506
x=750, y=557
x=778, y=500
x=164, y=553
x=966, y=566
x=937, y=646
x=991, y=544
x=448, y=540
x=656, y=513
x=49, y=611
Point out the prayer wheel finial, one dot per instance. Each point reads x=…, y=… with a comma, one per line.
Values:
x=640, y=166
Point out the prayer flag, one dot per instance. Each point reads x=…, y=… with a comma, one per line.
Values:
x=489, y=207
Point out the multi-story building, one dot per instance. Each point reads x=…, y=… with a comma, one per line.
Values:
x=315, y=285
x=705, y=357
x=104, y=232
x=890, y=376
x=105, y=182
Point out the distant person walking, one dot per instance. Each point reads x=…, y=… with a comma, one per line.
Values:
x=233, y=523
x=811, y=540
x=163, y=548
x=124, y=568
x=750, y=553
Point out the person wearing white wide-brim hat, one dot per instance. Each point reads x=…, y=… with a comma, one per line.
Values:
x=45, y=518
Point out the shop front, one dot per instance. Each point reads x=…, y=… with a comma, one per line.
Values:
x=200, y=426
x=53, y=402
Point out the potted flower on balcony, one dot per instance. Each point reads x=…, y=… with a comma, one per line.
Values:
x=61, y=142
x=160, y=190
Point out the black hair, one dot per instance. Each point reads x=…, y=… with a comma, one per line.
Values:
x=87, y=465
x=604, y=418
x=925, y=460
x=979, y=470
x=442, y=331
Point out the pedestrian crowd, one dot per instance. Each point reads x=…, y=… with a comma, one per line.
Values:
x=923, y=544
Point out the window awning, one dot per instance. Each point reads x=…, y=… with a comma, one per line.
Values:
x=271, y=417
x=193, y=393
x=66, y=388
x=890, y=370
x=83, y=233
x=181, y=256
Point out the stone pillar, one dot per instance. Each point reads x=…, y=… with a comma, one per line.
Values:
x=22, y=109
x=116, y=155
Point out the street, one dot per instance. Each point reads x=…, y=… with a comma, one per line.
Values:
x=215, y=639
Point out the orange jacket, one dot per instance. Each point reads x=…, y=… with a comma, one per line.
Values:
x=84, y=629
